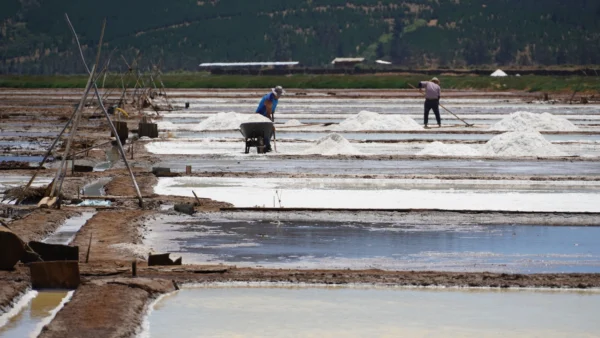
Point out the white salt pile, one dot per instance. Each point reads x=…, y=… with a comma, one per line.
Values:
x=228, y=121
x=441, y=149
x=520, y=144
x=526, y=121
x=292, y=123
x=366, y=120
x=332, y=144
x=166, y=125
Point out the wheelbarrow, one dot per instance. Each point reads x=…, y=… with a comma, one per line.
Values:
x=254, y=135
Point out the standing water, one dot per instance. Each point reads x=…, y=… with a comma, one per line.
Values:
x=373, y=312
x=66, y=232
x=37, y=310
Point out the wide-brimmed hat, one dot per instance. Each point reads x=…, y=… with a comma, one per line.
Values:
x=278, y=91
x=436, y=80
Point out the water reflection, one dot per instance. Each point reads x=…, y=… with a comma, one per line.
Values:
x=391, y=246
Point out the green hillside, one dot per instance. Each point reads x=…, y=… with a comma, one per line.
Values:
x=179, y=34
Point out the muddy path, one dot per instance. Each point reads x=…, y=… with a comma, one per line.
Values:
x=114, y=235
x=223, y=274
x=106, y=308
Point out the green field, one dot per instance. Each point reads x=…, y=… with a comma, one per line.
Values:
x=533, y=83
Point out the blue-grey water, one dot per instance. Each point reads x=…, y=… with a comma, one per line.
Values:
x=24, y=158
x=390, y=246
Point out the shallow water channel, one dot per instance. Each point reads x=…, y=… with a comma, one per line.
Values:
x=66, y=232
x=221, y=311
x=389, y=246
x=29, y=316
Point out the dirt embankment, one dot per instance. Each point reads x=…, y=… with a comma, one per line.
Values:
x=115, y=234
x=9, y=291
x=106, y=308
x=200, y=274
x=121, y=185
x=40, y=223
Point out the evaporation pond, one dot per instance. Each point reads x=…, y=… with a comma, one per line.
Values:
x=389, y=246
x=374, y=312
x=28, y=320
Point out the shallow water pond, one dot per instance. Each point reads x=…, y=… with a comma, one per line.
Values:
x=389, y=246
x=373, y=312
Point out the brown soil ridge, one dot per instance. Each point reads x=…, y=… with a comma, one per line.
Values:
x=121, y=185
x=107, y=308
x=108, y=228
x=40, y=223
x=9, y=292
x=197, y=274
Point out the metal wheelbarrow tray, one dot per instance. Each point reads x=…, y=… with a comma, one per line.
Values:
x=254, y=135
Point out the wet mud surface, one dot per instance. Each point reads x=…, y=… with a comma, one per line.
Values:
x=117, y=310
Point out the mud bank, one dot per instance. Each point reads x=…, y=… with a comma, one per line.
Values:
x=415, y=216
x=200, y=274
x=9, y=292
x=106, y=308
x=40, y=223
x=115, y=235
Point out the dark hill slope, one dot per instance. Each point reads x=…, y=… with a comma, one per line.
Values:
x=181, y=33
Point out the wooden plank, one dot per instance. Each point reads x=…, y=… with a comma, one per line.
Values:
x=55, y=275
x=55, y=252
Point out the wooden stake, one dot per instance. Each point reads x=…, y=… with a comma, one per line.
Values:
x=87, y=254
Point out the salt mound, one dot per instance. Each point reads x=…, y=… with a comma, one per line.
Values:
x=366, y=120
x=228, y=121
x=292, y=123
x=526, y=121
x=332, y=144
x=518, y=144
x=166, y=125
x=441, y=149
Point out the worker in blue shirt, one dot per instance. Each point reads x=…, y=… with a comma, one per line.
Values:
x=267, y=107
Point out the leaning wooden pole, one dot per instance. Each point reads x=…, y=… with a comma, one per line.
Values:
x=60, y=174
x=72, y=134
x=110, y=123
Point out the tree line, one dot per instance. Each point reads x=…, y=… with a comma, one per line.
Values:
x=180, y=34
